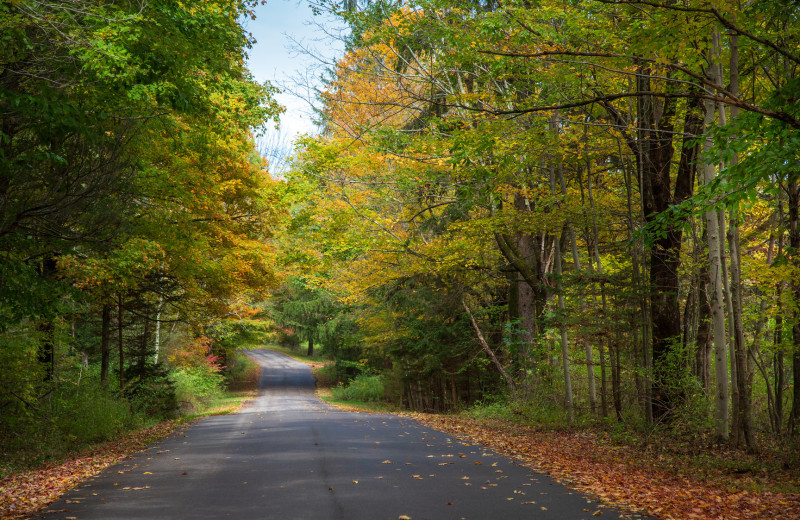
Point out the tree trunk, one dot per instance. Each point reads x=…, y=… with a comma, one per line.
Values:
x=488, y=350
x=560, y=290
x=564, y=340
x=587, y=347
x=157, y=338
x=778, y=361
x=794, y=241
x=120, y=349
x=595, y=251
x=105, y=338
x=716, y=293
x=310, y=351
x=616, y=380
x=653, y=149
x=47, y=349
x=703, y=338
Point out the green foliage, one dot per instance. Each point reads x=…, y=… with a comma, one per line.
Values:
x=151, y=391
x=72, y=415
x=240, y=372
x=363, y=388
x=90, y=414
x=532, y=412
x=132, y=198
x=196, y=386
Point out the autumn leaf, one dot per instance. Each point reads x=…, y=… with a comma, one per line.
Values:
x=24, y=493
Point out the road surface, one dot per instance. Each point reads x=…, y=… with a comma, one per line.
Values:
x=290, y=456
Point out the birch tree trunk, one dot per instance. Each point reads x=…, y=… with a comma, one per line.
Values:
x=715, y=292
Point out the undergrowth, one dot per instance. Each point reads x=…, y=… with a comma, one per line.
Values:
x=367, y=388
x=78, y=414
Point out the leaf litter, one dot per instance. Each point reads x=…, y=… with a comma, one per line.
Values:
x=24, y=493
x=625, y=477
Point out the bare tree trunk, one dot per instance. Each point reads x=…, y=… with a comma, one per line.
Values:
x=616, y=380
x=560, y=286
x=716, y=292
x=778, y=361
x=758, y=338
x=157, y=338
x=105, y=338
x=595, y=251
x=703, y=339
x=488, y=350
x=587, y=347
x=742, y=423
x=564, y=340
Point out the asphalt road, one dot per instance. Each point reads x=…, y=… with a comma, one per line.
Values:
x=290, y=456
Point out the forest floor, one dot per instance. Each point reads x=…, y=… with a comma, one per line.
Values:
x=670, y=481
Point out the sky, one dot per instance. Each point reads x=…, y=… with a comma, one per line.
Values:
x=280, y=27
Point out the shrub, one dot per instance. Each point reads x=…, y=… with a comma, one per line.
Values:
x=361, y=388
x=196, y=386
x=287, y=338
x=91, y=414
x=151, y=391
x=241, y=372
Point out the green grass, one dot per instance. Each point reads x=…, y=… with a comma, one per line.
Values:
x=363, y=388
x=241, y=385
x=357, y=406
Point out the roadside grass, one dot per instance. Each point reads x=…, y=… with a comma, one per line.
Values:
x=241, y=385
x=327, y=395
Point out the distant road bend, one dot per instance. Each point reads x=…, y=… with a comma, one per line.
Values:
x=290, y=456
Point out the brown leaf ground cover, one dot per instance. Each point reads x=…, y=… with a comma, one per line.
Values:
x=669, y=486
x=24, y=493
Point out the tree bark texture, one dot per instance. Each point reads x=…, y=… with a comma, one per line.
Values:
x=105, y=339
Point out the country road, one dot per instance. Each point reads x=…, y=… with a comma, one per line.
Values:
x=288, y=455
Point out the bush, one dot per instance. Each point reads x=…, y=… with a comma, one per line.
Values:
x=196, y=386
x=287, y=338
x=151, y=391
x=90, y=414
x=362, y=388
x=241, y=372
